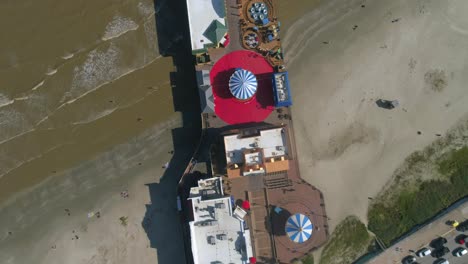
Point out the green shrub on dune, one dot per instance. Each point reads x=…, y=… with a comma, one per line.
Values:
x=389, y=219
x=348, y=242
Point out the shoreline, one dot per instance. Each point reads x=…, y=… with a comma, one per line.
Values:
x=93, y=186
x=79, y=142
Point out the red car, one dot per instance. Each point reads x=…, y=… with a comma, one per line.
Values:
x=461, y=239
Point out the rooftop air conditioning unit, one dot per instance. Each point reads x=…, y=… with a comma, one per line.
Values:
x=211, y=240
x=220, y=205
x=222, y=236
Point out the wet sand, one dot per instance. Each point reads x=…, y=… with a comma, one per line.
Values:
x=52, y=221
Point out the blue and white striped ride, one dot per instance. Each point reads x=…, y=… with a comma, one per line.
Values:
x=243, y=84
x=299, y=228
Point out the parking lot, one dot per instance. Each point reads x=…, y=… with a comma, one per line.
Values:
x=424, y=236
x=452, y=246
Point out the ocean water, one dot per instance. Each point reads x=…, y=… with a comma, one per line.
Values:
x=78, y=77
x=74, y=78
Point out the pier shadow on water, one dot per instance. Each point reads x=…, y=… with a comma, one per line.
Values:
x=162, y=220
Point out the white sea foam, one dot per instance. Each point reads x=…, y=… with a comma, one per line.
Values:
x=68, y=56
x=102, y=84
x=4, y=101
x=13, y=124
x=51, y=72
x=38, y=85
x=99, y=67
x=146, y=8
x=95, y=116
x=150, y=33
x=42, y=120
x=119, y=26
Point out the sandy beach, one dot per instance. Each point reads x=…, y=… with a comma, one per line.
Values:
x=344, y=56
x=52, y=221
x=73, y=151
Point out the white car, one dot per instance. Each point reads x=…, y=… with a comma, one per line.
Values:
x=461, y=252
x=441, y=261
x=423, y=252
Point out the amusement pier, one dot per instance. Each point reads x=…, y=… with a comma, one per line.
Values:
x=241, y=198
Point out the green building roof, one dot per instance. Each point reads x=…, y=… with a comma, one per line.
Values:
x=215, y=31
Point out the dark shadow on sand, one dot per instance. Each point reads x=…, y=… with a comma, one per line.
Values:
x=162, y=219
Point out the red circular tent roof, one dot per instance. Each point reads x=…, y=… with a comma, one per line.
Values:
x=227, y=107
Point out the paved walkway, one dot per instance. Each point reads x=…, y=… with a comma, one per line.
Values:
x=423, y=236
x=233, y=15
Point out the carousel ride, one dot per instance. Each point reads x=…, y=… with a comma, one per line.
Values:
x=299, y=228
x=243, y=84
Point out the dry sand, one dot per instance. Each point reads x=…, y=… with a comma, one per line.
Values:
x=348, y=147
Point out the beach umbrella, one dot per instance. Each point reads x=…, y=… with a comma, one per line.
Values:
x=243, y=84
x=299, y=228
x=246, y=205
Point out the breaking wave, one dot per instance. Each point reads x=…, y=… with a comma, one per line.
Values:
x=146, y=8
x=4, y=101
x=95, y=117
x=38, y=85
x=119, y=26
x=68, y=56
x=105, y=83
x=16, y=164
x=51, y=72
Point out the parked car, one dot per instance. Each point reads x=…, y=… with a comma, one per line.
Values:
x=460, y=252
x=423, y=252
x=409, y=260
x=438, y=242
x=461, y=239
x=453, y=223
x=463, y=226
x=440, y=252
x=441, y=261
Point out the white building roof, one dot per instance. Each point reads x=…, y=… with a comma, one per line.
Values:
x=272, y=141
x=216, y=235
x=201, y=14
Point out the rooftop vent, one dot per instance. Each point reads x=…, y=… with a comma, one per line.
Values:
x=222, y=236
x=211, y=240
x=220, y=205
